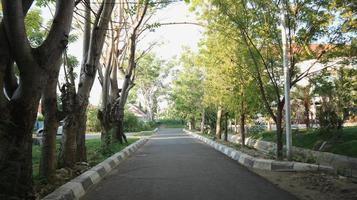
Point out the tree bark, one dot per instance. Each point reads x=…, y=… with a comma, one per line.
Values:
x=17, y=124
x=203, y=121
x=50, y=112
x=279, y=131
x=226, y=127
x=218, y=123
x=192, y=123
x=120, y=135
x=81, y=150
x=74, y=128
x=19, y=110
x=307, y=114
x=242, y=128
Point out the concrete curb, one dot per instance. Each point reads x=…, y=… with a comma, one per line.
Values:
x=78, y=186
x=259, y=163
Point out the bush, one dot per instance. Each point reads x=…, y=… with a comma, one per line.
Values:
x=93, y=123
x=40, y=117
x=133, y=124
x=171, y=123
x=328, y=118
x=257, y=128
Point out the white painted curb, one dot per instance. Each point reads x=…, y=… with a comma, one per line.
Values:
x=259, y=163
x=77, y=187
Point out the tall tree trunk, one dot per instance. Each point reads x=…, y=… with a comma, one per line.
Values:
x=17, y=124
x=192, y=123
x=81, y=150
x=218, y=123
x=67, y=157
x=120, y=135
x=19, y=110
x=242, y=120
x=73, y=138
x=307, y=114
x=50, y=112
x=103, y=116
x=242, y=128
x=203, y=120
x=226, y=127
x=74, y=128
x=279, y=131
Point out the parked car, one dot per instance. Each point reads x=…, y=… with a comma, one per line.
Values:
x=39, y=132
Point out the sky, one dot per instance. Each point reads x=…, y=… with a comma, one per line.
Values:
x=171, y=38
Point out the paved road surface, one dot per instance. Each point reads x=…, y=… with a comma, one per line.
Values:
x=175, y=166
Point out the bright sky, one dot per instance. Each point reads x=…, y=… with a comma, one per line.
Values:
x=171, y=37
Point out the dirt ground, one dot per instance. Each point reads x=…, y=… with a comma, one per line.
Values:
x=306, y=185
x=313, y=186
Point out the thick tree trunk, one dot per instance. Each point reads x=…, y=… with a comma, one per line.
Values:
x=16, y=149
x=104, y=118
x=81, y=151
x=279, y=132
x=74, y=128
x=50, y=111
x=19, y=113
x=120, y=135
x=67, y=157
x=73, y=147
x=242, y=129
x=218, y=123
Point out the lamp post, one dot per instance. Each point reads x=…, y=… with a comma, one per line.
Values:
x=287, y=80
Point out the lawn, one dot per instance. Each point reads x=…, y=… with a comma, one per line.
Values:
x=342, y=142
x=94, y=153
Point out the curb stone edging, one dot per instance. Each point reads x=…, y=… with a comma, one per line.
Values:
x=77, y=187
x=260, y=163
x=343, y=165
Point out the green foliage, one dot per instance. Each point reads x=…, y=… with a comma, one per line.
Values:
x=34, y=30
x=95, y=154
x=40, y=117
x=171, y=123
x=336, y=89
x=339, y=141
x=187, y=89
x=93, y=123
x=148, y=83
x=133, y=124
x=328, y=118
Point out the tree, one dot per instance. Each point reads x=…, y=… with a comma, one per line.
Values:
x=303, y=95
x=76, y=100
x=20, y=99
x=187, y=89
x=335, y=89
x=257, y=30
x=228, y=83
x=149, y=82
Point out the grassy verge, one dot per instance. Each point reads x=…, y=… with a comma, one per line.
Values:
x=142, y=133
x=342, y=142
x=94, y=156
x=94, y=153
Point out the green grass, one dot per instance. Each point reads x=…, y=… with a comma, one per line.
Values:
x=342, y=142
x=143, y=133
x=94, y=153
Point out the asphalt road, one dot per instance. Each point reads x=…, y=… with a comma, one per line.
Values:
x=175, y=166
